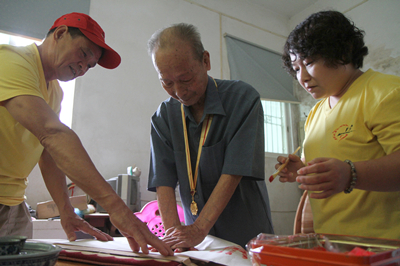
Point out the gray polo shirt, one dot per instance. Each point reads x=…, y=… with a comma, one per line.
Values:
x=234, y=145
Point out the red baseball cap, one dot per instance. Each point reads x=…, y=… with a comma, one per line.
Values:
x=89, y=27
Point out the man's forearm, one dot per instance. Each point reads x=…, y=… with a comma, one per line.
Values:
x=72, y=159
x=55, y=182
x=167, y=206
x=64, y=147
x=217, y=202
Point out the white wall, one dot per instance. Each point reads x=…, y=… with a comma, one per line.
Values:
x=113, y=107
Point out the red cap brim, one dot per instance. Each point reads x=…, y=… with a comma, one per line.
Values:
x=110, y=59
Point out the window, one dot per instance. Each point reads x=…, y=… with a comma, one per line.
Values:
x=278, y=129
x=262, y=69
x=67, y=87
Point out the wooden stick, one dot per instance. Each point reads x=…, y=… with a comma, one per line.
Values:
x=272, y=177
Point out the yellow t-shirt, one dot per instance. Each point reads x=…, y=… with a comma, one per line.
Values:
x=363, y=125
x=21, y=74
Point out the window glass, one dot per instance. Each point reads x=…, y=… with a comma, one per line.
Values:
x=276, y=138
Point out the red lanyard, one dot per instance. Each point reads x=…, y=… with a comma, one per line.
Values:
x=204, y=132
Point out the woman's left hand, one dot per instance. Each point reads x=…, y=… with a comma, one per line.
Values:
x=325, y=176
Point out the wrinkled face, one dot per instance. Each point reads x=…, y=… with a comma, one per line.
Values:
x=182, y=76
x=74, y=56
x=318, y=79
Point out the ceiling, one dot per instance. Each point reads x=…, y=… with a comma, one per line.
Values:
x=285, y=7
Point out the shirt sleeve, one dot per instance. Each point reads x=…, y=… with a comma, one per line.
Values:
x=18, y=76
x=245, y=153
x=162, y=160
x=385, y=123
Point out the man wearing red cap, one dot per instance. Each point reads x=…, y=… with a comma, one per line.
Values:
x=31, y=132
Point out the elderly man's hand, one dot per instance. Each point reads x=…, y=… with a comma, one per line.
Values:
x=183, y=236
x=137, y=232
x=72, y=223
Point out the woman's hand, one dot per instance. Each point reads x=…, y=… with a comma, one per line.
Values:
x=289, y=173
x=326, y=176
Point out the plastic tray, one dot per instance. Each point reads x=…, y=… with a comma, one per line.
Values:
x=312, y=250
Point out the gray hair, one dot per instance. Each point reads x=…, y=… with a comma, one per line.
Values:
x=164, y=37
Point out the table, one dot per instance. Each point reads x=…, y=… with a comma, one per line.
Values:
x=69, y=263
x=212, y=251
x=72, y=263
x=102, y=222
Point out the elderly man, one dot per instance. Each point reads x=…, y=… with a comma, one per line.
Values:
x=209, y=138
x=31, y=132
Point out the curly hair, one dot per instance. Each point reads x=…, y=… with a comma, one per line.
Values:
x=328, y=35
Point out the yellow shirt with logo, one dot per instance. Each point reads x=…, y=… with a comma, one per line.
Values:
x=363, y=125
x=21, y=74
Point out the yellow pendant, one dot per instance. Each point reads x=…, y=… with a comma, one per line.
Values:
x=193, y=208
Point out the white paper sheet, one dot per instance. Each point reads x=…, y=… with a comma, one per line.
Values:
x=211, y=249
